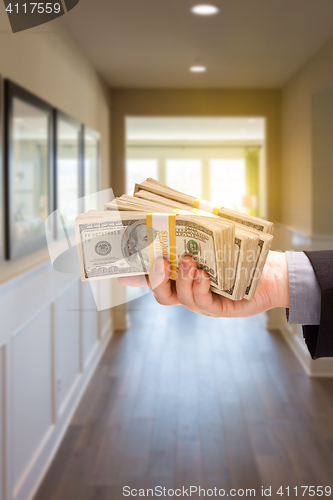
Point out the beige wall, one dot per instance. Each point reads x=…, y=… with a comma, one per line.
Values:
x=47, y=62
x=264, y=103
x=299, y=191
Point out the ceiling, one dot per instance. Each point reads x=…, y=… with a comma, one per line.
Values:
x=195, y=129
x=152, y=43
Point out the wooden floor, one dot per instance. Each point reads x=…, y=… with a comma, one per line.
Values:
x=180, y=399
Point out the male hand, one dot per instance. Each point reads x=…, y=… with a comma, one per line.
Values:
x=191, y=288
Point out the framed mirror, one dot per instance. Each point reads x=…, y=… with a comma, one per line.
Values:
x=91, y=167
x=28, y=169
x=68, y=168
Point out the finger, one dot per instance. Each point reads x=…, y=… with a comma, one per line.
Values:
x=160, y=283
x=133, y=281
x=184, y=283
x=209, y=303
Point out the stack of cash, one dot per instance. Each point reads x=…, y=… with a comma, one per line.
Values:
x=254, y=227
x=132, y=231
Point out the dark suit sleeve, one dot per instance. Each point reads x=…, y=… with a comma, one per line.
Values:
x=319, y=338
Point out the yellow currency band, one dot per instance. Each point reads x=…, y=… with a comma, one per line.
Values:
x=173, y=250
x=150, y=239
x=157, y=224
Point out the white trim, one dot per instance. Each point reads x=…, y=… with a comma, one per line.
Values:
x=39, y=311
x=20, y=482
x=276, y=319
x=91, y=355
x=33, y=317
x=81, y=360
x=70, y=392
x=3, y=419
x=53, y=367
x=9, y=282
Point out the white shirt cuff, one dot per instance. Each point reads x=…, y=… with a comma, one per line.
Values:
x=304, y=291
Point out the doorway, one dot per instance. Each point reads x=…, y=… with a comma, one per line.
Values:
x=219, y=159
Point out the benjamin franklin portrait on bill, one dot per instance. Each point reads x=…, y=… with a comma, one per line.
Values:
x=135, y=246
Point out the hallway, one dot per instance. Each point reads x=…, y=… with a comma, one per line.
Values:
x=181, y=399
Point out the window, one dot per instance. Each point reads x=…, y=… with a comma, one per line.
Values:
x=68, y=169
x=138, y=171
x=228, y=183
x=220, y=159
x=185, y=175
x=91, y=168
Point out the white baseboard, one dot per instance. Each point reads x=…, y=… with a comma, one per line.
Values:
x=276, y=319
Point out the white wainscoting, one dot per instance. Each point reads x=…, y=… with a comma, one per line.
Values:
x=51, y=340
x=89, y=324
x=285, y=239
x=67, y=344
x=2, y=422
x=32, y=416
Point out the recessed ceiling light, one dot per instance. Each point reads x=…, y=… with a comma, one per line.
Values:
x=205, y=9
x=198, y=68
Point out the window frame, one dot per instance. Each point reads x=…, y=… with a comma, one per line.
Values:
x=62, y=116
x=96, y=135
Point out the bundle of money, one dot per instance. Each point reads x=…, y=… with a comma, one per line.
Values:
x=246, y=226
x=157, y=221
x=126, y=243
x=153, y=186
x=237, y=260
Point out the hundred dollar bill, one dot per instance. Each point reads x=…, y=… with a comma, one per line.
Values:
x=112, y=244
x=112, y=248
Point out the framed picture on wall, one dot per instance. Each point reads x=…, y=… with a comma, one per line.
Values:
x=91, y=167
x=28, y=169
x=2, y=248
x=68, y=169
